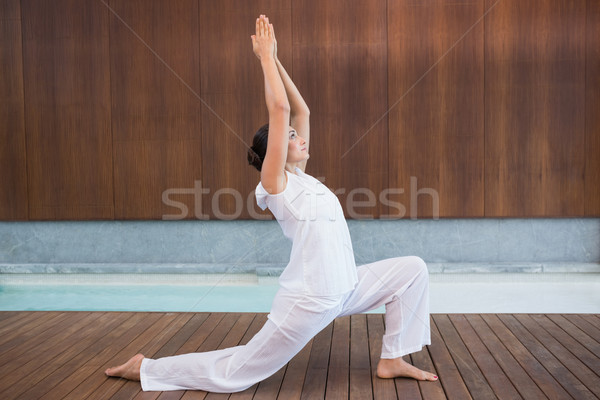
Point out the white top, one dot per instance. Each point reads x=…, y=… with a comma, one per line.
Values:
x=310, y=215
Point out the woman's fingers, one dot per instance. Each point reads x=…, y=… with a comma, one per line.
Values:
x=264, y=28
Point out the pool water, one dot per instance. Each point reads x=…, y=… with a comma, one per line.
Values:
x=136, y=298
x=453, y=293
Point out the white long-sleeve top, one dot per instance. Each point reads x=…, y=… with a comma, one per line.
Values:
x=310, y=215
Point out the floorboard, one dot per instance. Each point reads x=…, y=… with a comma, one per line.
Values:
x=456, y=367
x=62, y=355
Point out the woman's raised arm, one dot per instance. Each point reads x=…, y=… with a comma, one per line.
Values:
x=299, y=111
x=272, y=173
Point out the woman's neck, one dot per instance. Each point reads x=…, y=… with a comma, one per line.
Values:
x=290, y=167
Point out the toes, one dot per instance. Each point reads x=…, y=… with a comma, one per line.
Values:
x=431, y=377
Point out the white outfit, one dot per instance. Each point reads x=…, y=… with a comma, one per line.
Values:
x=310, y=215
x=320, y=283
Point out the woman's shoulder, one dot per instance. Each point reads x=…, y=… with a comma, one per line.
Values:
x=262, y=193
x=275, y=185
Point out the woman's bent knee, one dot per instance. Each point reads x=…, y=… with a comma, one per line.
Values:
x=418, y=264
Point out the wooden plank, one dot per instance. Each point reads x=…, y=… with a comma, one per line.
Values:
x=592, y=102
x=584, y=325
x=41, y=360
x=422, y=360
x=10, y=317
x=49, y=331
x=535, y=91
x=36, y=356
x=360, y=364
x=232, y=90
x=256, y=325
x=77, y=369
x=560, y=373
x=158, y=116
x=340, y=66
x=518, y=376
x=14, y=319
x=99, y=386
x=450, y=356
x=131, y=389
x=139, y=336
x=82, y=366
x=195, y=341
x=500, y=384
x=30, y=329
x=585, y=375
x=339, y=360
x=384, y=389
x=145, y=169
x=19, y=320
x=591, y=318
x=203, y=328
x=269, y=388
x=64, y=365
x=212, y=342
x=232, y=339
x=590, y=359
x=435, y=99
x=13, y=157
x=316, y=375
x=291, y=387
x=169, y=395
x=551, y=388
x=66, y=76
x=184, y=334
x=577, y=333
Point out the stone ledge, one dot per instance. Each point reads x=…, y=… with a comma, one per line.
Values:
x=446, y=241
x=275, y=269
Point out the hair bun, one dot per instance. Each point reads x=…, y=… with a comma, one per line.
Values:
x=254, y=158
x=258, y=150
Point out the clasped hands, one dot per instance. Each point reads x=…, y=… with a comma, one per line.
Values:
x=264, y=43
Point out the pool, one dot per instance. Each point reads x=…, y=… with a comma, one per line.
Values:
x=450, y=293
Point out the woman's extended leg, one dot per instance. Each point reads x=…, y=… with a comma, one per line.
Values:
x=402, y=284
x=293, y=321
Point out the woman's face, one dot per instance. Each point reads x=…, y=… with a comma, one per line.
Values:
x=297, y=150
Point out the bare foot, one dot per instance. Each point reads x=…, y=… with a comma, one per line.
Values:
x=397, y=367
x=130, y=370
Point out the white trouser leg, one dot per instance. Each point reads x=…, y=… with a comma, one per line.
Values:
x=402, y=284
x=293, y=321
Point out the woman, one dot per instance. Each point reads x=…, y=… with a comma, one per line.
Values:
x=321, y=281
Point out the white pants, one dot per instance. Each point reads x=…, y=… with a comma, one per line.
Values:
x=402, y=284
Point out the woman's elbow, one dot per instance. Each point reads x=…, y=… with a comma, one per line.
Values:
x=282, y=107
x=303, y=112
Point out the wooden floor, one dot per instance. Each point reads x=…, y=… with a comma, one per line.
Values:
x=56, y=355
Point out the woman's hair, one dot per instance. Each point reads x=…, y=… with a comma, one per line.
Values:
x=258, y=150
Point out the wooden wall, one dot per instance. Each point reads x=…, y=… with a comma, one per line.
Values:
x=144, y=109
